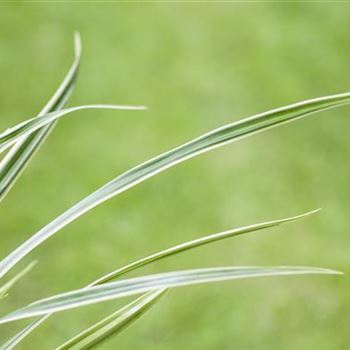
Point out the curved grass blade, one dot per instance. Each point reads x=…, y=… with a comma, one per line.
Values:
x=12, y=165
x=7, y=286
x=11, y=135
x=214, y=139
x=169, y=252
x=194, y=244
x=113, y=324
x=138, y=285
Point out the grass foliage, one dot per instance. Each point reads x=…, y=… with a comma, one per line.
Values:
x=25, y=138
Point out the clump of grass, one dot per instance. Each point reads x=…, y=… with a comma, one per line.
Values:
x=25, y=138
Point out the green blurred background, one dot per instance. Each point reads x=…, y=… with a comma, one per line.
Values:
x=197, y=67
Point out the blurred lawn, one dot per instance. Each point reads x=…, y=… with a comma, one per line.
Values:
x=197, y=66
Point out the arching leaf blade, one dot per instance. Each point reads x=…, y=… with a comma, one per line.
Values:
x=180, y=248
x=12, y=135
x=214, y=139
x=139, y=285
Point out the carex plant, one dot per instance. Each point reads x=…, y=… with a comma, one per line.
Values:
x=23, y=140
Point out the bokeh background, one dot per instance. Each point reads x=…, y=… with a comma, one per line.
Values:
x=197, y=67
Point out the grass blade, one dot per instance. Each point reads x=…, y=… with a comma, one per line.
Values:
x=138, y=285
x=214, y=139
x=171, y=251
x=7, y=286
x=12, y=165
x=12, y=135
x=194, y=244
x=113, y=324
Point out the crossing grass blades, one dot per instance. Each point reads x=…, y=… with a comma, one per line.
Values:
x=23, y=140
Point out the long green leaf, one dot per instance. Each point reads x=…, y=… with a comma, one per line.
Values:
x=138, y=285
x=214, y=139
x=12, y=135
x=161, y=255
x=113, y=324
x=12, y=165
x=194, y=244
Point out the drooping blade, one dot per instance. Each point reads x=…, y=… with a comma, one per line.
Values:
x=29, y=126
x=138, y=285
